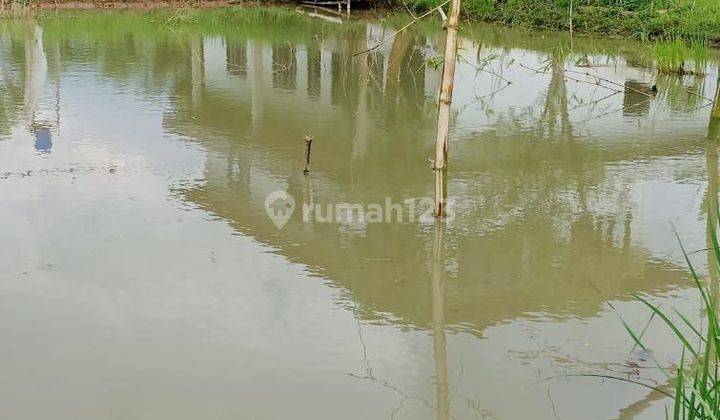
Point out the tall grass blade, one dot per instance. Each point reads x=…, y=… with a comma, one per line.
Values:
x=669, y=323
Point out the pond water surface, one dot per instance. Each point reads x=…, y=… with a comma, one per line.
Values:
x=141, y=277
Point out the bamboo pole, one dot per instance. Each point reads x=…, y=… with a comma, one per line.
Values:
x=443, y=127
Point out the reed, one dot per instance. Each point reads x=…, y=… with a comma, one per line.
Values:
x=696, y=390
x=678, y=58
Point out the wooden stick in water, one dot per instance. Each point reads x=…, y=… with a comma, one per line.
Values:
x=446, y=90
x=308, y=145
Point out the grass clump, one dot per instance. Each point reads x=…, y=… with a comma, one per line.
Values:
x=677, y=58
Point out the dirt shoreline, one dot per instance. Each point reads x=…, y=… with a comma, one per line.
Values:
x=142, y=5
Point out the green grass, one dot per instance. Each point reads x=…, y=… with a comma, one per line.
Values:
x=268, y=23
x=678, y=58
x=692, y=21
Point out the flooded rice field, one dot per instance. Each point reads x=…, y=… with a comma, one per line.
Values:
x=142, y=277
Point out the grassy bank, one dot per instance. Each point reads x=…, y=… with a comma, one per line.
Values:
x=691, y=21
x=695, y=21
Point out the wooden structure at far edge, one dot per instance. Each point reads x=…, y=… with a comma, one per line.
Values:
x=329, y=3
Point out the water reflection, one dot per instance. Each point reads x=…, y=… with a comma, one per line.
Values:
x=32, y=87
x=562, y=189
x=555, y=119
x=635, y=99
x=438, y=310
x=541, y=226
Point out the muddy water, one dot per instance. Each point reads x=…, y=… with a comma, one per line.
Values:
x=143, y=279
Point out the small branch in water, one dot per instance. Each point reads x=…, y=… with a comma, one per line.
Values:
x=408, y=10
x=482, y=67
x=615, y=378
x=308, y=145
x=597, y=82
x=552, y=403
x=602, y=79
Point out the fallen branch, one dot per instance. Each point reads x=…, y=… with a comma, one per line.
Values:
x=630, y=88
x=482, y=68
x=596, y=83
